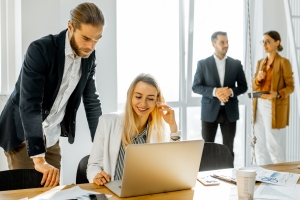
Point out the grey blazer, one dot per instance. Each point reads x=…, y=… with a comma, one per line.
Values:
x=206, y=79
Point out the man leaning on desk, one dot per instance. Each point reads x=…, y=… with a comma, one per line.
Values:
x=58, y=70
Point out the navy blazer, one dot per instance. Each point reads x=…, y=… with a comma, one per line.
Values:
x=35, y=92
x=207, y=78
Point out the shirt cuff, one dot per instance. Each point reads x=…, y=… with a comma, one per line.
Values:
x=214, y=92
x=178, y=134
x=39, y=155
x=231, y=92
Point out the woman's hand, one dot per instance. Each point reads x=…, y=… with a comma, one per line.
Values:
x=168, y=114
x=261, y=75
x=270, y=96
x=102, y=178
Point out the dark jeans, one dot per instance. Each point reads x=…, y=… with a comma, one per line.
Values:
x=228, y=129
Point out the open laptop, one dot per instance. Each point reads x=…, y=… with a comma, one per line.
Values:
x=159, y=167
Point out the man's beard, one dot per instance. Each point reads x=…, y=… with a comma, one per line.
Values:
x=76, y=49
x=223, y=51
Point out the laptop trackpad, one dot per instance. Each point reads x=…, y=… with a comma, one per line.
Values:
x=114, y=186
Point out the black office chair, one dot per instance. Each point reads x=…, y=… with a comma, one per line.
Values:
x=81, y=170
x=20, y=179
x=215, y=156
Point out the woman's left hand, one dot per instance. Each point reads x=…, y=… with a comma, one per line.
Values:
x=167, y=113
x=270, y=96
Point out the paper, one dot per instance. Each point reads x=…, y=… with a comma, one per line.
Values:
x=269, y=191
x=274, y=177
x=72, y=193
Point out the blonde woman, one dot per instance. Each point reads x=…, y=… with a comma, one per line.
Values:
x=143, y=121
x=271, y=111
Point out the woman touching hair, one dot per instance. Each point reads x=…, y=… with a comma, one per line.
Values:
x=143, y=121
x=271, y=111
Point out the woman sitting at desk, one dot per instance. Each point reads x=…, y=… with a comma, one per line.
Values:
x=142, y=122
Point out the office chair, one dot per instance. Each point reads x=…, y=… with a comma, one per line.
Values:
x=81, y=170
x=20, y=179
x=215, y=156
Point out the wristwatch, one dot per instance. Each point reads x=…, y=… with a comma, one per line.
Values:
x=278, y=95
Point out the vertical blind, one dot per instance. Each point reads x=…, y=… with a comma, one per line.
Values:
x=293, y=136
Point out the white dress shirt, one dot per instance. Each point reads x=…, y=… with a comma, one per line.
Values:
x=221, y=72
x=70, y=79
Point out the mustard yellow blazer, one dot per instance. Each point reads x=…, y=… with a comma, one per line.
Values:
x=282, y=81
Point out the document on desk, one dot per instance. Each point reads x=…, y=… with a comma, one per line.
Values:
x=269, y=191
x=58, y=193
x=274, y=177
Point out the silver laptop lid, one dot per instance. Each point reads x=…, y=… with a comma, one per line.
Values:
x=161, y=167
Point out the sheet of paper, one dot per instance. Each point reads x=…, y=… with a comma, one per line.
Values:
x=274, y=177
x=72, y=193
x=269, y=191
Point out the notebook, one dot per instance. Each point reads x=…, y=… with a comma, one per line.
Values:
x=159, y=167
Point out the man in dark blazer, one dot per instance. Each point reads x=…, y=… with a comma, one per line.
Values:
x=219, y=79
x=58, y=70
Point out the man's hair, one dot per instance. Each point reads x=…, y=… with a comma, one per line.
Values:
x=130, y=118
x=86, y=13
x=215, y=35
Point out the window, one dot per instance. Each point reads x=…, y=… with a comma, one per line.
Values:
x=211, y=16
x=167, y=38
x=148, y=43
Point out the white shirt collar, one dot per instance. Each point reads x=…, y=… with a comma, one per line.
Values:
x=216, y=58
x=68, y=48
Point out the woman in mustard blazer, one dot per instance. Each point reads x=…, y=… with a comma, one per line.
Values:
x=271, y=111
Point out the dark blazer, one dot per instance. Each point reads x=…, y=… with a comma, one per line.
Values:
x=207, y=78
x=35, y=92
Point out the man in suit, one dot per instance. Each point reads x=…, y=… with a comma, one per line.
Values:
x=58, y=70
x=219, y=79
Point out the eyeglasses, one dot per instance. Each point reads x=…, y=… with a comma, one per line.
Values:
x=265, y=42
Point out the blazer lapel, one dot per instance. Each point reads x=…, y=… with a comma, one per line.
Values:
x=60, y=62
x=275, y=72
x=227, y=72
x=214, y=71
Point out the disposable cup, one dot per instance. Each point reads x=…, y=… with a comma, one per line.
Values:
x=245, y=179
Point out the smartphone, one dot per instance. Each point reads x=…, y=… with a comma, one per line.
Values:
x=98, y=197
x=207, y=180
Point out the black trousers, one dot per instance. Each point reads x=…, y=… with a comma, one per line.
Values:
x=228, y=129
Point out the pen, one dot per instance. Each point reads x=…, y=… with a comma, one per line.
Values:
x=224, y=178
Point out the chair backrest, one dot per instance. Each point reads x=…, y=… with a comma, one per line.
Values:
x=20, y=179
x=215, y=156
x=81, y=170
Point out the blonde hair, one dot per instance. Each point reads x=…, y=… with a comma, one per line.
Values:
x=130, y=118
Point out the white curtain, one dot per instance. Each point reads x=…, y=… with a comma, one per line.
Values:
x=10, y=40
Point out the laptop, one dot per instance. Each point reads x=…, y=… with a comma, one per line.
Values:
x=159, y=167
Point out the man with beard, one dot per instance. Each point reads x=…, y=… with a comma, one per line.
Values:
x=219, y=79
x=58, y=70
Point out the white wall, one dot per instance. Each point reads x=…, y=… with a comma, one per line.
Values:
x=3, y=163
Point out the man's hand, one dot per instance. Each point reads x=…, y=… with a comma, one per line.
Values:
x=50, y=173
x=223, y=94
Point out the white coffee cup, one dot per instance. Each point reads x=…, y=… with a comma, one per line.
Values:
x=245, y=179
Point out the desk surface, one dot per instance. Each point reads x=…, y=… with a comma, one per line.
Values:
x=222, y=191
